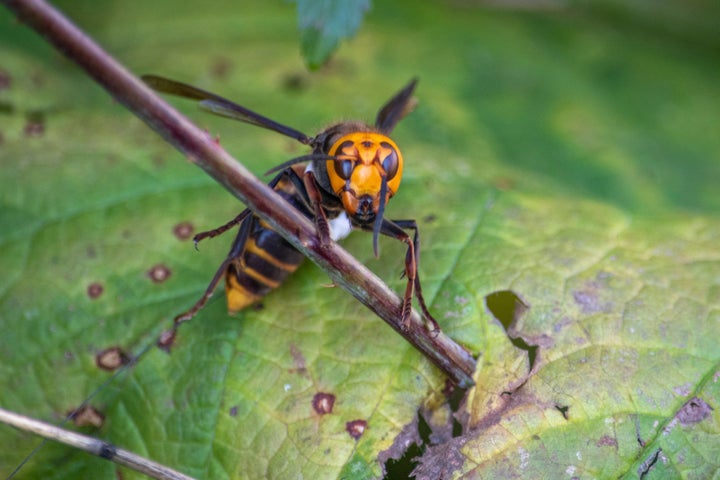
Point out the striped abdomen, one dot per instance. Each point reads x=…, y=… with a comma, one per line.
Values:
x=261, y=258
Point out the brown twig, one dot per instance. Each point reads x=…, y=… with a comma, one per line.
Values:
x=91, y=445
x=197, y=145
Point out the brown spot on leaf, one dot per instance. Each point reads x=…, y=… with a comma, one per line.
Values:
x=356, y=428
x=504, y=183
x=295, y=82
x=683, y=390
x=34, y=127
x=587, y=300
x=111, y=358
x=5, y=80
x=159, y=273
x=183, y=230
x=695, y=410
x=323, y=403
x=87, y=416
x=298, y=359
x=167, y=339
x=221, y=67
x=94, y=290
x=591, y=297
x=607, y=441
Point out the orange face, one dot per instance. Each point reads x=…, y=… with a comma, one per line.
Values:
x=363, y=159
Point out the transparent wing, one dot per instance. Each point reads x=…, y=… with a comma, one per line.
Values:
x=221, y=106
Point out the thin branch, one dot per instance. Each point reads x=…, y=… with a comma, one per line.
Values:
x=91, y=445
x=202, y=150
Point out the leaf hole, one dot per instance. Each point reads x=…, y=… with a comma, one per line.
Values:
x=563, y=409
x=415, y=440
x=507, y=308
x=403, y=466
x=455, y=397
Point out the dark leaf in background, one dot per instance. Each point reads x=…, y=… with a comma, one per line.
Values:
x=324, y=23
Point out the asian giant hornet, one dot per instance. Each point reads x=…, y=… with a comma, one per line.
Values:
x=345, y=183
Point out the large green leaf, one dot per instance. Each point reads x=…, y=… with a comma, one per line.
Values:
x=559, y=158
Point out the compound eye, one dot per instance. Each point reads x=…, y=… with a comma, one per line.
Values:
x=344, y=168
x=390, y=163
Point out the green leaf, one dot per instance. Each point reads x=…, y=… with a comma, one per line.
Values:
x=324, y=23
x=558, y=159
x=624, y=337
